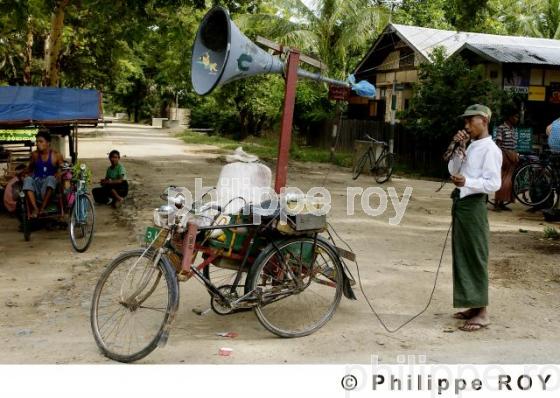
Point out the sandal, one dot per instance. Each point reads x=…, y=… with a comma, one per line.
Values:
x=477, y=326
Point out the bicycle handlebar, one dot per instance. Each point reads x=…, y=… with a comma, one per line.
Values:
x=374, y=140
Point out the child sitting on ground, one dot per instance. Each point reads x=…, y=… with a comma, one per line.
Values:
x=114, y=187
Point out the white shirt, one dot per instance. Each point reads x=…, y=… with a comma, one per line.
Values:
x=482, y=167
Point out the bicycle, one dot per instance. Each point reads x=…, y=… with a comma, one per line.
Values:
x=292, y=278
x=82, y=218
x=538, y=182
x=524, y=159
x=381, y=167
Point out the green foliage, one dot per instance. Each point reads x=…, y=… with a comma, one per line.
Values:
x=242, y=108
x=551, y=233
x=76, y=171
x=265, y=147
x=444, y=89
x=138, y=54
x=545, y=19
x=429, y=14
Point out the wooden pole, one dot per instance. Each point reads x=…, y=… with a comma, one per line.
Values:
x=287, y=120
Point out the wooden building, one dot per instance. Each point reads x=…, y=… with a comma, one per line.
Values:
x=530, y=66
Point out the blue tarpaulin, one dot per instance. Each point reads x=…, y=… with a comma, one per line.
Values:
x=36, y=105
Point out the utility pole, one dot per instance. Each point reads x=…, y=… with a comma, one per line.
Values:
x=393, y=115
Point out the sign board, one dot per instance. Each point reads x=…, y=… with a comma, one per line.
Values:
x=17, y=135
x=524, y=139
x=517, y=89
x=338, y=93
x=537, y=93
x=400, y=87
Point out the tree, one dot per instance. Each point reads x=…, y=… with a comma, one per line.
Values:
x=335, y=31
x=445, y=87
x=545, y=21
x=426, y=13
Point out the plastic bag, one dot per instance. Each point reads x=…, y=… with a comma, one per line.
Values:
x=363, y=88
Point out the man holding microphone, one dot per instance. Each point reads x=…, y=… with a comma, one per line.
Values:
x=476, y=173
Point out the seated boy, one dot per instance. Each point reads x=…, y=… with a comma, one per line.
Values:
x=114, y=187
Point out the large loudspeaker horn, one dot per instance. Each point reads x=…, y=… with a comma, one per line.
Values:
x=221, y=54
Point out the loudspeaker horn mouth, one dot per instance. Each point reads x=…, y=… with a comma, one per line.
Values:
x=210, y=50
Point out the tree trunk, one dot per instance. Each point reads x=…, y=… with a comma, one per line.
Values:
x=53, y=45
x=28, y=53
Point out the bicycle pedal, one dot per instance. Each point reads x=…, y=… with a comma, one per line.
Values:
x=201, y=312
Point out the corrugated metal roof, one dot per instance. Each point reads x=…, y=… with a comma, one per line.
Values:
x=516, y=54
x=517, y=49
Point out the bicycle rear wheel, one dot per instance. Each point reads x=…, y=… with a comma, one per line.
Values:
x=299, y=288
x=133, y=305
x=384, y=168
x=82, y=223
x=359, y=166
x=533, y=184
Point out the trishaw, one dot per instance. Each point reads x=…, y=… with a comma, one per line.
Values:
x=26, y=110
x=290, y=275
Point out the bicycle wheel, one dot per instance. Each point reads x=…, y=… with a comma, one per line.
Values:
x=492, y=202
x=133, y=305
x=359, y=166
x=533, y=184
x=82, y=222
x=299, y=288
x=384, y=168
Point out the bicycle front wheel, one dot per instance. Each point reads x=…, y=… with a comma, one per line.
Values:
x=133, y=305
x=82, y=223
x=533, y=184
x=359, y=166
x=299, y=286
x=384, y=168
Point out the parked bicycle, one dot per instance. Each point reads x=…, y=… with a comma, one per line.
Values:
x=381, y=167
x=524, y=159
x=537, y=182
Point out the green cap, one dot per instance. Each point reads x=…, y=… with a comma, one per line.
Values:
x=477, y=110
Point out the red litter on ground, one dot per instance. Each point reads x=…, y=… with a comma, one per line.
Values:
x=225, y=351
x=231, y=335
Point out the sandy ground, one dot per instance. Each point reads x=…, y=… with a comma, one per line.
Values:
x=46, y=288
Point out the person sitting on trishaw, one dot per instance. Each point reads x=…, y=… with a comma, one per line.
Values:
x=43, y=173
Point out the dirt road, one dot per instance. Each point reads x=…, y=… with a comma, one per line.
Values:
x=45, y=288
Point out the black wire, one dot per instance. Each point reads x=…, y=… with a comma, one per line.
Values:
x=367, y=299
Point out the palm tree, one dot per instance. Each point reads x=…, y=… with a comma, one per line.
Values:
x=547, y=24
x=538, y=18
x=335, y=31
